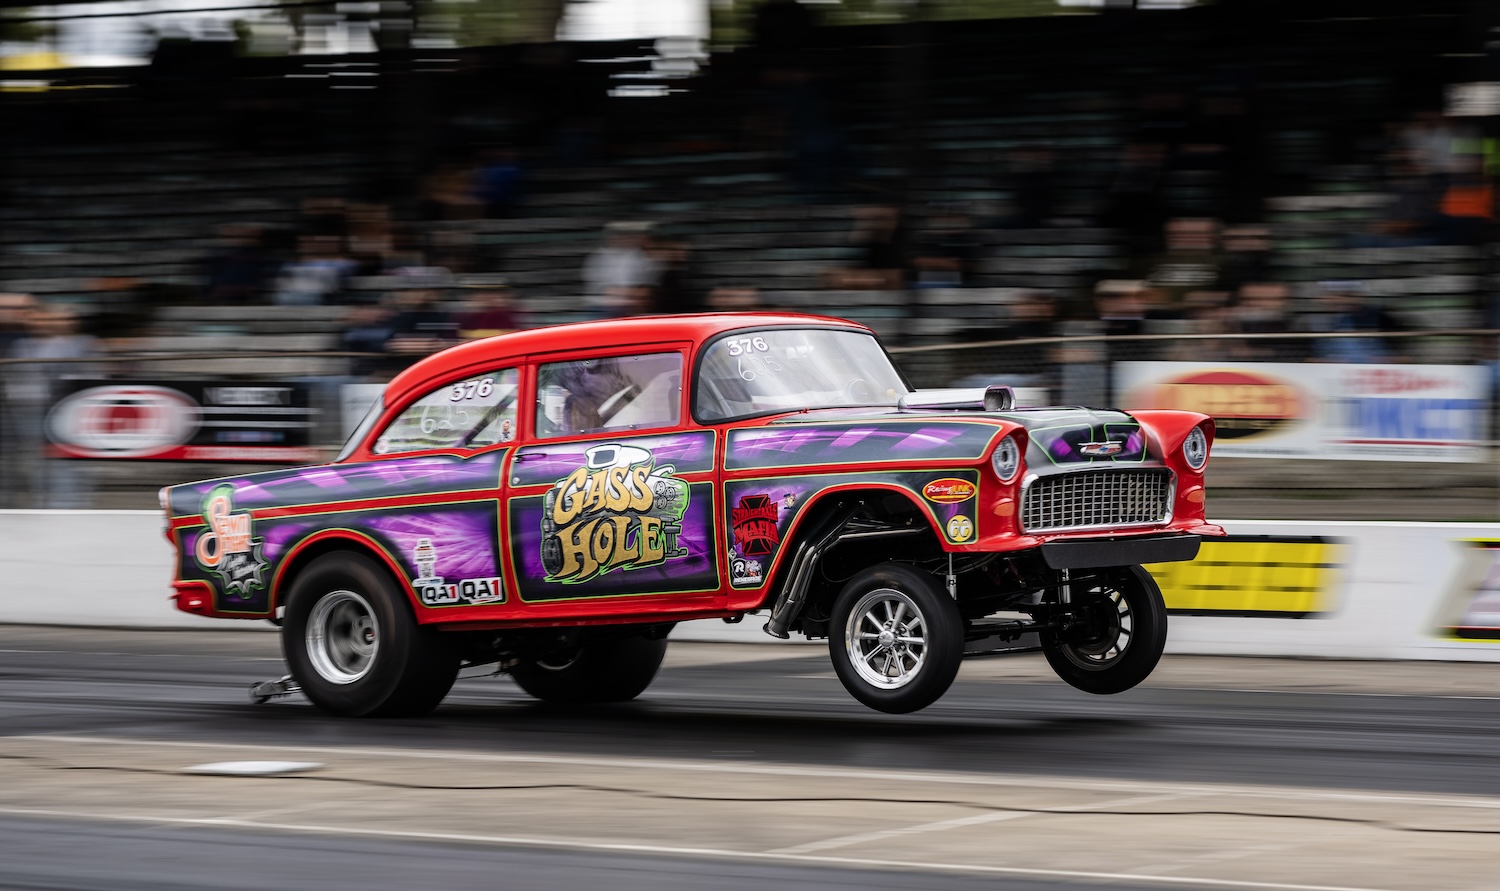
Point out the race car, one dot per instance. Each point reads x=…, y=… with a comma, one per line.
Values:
x=554, y=501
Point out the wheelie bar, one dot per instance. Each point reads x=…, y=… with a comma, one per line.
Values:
x=265, y=691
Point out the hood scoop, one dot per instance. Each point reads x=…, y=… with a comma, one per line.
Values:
x=970, y=399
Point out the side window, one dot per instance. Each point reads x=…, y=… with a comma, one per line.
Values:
x=617, y=393
x=470, y=413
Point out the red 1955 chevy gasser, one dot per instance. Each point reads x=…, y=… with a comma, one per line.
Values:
x=554, y=501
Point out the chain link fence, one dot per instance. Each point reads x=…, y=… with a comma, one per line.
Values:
x=253, y=410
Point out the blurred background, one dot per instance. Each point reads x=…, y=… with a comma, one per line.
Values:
x=223, y=224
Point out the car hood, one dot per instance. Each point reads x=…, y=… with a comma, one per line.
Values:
x=1060, y=435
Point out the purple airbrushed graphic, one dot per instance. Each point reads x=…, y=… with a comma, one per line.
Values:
x=791, y=494
x=792, y=446
x=463, y=538
x=546, y=463
x=431, y=474
x=1086, y=443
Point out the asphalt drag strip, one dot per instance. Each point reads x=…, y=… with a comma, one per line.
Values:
x=1033, y=828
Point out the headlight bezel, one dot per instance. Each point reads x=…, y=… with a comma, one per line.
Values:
x=1007, y=453
x=1195, y=446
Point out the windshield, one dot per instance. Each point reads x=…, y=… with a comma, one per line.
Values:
x=789, y=369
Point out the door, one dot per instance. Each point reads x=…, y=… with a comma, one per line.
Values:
x=613, y=495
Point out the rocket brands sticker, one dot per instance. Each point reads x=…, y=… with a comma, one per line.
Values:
x=948, y=491
x=228, y=548
x=618, y=511
x=434, y=590
x=746, y=572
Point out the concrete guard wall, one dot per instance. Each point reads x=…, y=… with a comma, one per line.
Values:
x=1385, y=590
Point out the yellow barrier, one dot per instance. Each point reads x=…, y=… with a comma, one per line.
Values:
x=1273, y=575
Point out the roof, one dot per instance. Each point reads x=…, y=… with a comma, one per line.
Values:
x=695, y=328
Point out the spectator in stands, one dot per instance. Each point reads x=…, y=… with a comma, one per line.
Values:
x=317, y=276
x=498, y=182
x=674, y=291
x=1190, y=262
x=447, y=193
x=1122, y=306
x=236, y=272
x=1134, y=203
x=1034, y=314
x=31, y=390
x=489, y=311
x=422, y=325
x=1203, y=312
x=15, y=320
x=16, y=311
x=947, y=255
x=618, y=275
x=734, y=298
x=1035, y=187
x=1347, y=308
x=1246, y=257
x=372, y=240
x=1262, y=308
x=1411, y=219
x=878, y=235
x=1468, y=203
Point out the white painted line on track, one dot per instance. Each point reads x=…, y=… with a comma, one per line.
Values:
x=230, y=657
x=766, y=768
x=846, y=841
x=678, y=851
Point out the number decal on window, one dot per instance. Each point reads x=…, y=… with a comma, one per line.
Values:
x=741, y=346
x=466, y=390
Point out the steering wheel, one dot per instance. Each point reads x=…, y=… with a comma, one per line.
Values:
x=859, y=392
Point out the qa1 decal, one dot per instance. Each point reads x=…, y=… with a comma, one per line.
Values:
x=229, y=549
x=618, y=511
x=433, y=590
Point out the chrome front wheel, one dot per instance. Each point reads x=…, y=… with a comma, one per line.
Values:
x=896, y=638
x=886, y=639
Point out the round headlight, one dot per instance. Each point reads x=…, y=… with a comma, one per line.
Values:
x=1007, y=459
x=1195, y=449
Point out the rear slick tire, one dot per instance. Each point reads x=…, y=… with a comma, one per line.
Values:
x=1123, y=638
x=895, y=638
x=353, y=644
x=611, y=670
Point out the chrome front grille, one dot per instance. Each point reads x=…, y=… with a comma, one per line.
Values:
x=1097, y=499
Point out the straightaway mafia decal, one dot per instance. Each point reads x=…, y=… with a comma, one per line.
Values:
x=229, y=549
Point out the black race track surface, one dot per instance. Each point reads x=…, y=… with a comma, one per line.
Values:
x=190, y=686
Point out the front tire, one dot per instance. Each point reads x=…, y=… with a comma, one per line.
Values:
x=354, y=646
x=1120, y=638
x=611, y=670
x=896, y=638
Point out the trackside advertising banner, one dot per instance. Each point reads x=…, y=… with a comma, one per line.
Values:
x=1358, y=412
x=263, y=422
